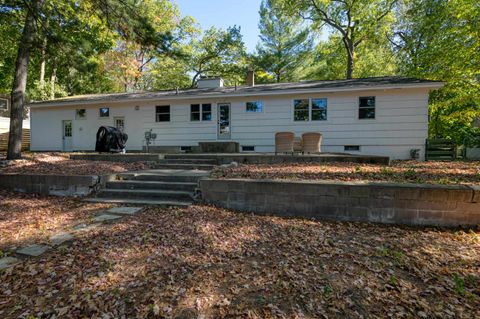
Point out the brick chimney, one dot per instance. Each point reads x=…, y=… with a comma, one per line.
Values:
x=251, y=78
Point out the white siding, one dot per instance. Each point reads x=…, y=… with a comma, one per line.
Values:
x=401, y=123
x=5, y=124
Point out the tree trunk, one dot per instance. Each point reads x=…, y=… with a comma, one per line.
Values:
x=53, y=79
x=350, y=48
x=20, y=82
x=43, y=62
x=350, y=65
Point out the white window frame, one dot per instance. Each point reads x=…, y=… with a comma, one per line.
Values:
x=160, y=113
x=100, y=112
x=253, y=112
x=374, y=107
x=309, y=109
x=7, y=104
x=201, y=112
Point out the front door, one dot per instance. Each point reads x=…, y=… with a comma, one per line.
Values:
x=119, y=123
x=224, y=128
x=67, y=136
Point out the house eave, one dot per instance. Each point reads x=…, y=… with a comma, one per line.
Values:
x=216, y=95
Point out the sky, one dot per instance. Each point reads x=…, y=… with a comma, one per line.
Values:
x=225, y=13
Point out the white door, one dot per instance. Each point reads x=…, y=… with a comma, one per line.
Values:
x=224, y=125
x=67, y=136
x=119, y=123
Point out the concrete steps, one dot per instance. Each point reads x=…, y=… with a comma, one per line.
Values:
x=172, y=186
x=139, y=184
x=187, y=161
x=145, y=194
x=149, y=202
x=159, y=175
x=185, y=166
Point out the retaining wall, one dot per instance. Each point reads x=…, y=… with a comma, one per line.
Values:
x=57, y=185
x=410, y=204
x=125, y=158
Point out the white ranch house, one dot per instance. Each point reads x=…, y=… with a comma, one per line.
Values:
x=373, y=116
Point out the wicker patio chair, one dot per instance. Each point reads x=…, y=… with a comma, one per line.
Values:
x=284, y=142
x=298, y=145
x=311, y=142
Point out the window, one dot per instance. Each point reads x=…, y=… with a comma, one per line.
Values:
x=104, y=112
x=366, y=107
x=300, y=110
x=3, y=104
x=201, y=112
x=319, y=109
x=162, y=113
x=255, y=106
x=119, y=123
x=206, y=112
x=80, y=114
x=248, y=148
x=310, y=110
x=351, y=148
x=195, y=112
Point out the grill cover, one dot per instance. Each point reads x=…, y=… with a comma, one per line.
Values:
x=110, y=139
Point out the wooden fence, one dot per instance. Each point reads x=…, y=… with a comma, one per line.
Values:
x=440, y=149
x=25, y=140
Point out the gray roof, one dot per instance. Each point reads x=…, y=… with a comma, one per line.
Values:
x=353, y=84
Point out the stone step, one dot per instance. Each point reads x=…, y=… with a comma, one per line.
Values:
x=135, y=184
x=183, y=166
x=145, y=194
x=149, y=202
x=187, y=161
x=162, y=175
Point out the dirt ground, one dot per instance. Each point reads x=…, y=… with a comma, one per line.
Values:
x=431, y=172
x=206, y=262
x=60, y=163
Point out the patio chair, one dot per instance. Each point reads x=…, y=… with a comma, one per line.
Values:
x=311, y=142
x=298, y=145
x=284, y=142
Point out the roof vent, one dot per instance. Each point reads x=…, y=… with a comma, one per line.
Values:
x=209, y=83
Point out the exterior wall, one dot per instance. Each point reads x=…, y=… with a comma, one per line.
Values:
x=5, y=124
x=401, y=123
x=411, y=204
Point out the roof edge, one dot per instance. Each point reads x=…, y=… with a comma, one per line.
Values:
x=432, y=85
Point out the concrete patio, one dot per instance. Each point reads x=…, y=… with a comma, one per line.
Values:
x=226, y=158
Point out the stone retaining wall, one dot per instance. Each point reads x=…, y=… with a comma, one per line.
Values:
x=124, y=158
x=57, y=185
x=410, y=204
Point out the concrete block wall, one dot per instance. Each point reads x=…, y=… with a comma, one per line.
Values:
x=410, y=204
x=57, y=185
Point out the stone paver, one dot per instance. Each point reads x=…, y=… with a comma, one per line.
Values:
x=84, y=227
x=33, y=250
x=61, y=238
x=6, y=262
x=106, y=217
x=124, y=210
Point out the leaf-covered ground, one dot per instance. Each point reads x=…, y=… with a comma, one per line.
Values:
x=60, y=163
x=432, y=172
x=205, y=262
x=29, y=218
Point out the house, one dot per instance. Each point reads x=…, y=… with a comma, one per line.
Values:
x=374, y=116
x=5, y=125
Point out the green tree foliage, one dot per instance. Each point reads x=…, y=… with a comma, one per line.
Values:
x=440, y=39
x=57, y=22
x=218, y=53
x=355, y=21
x=284, y=44
x=374, y=58
x=131, y=63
